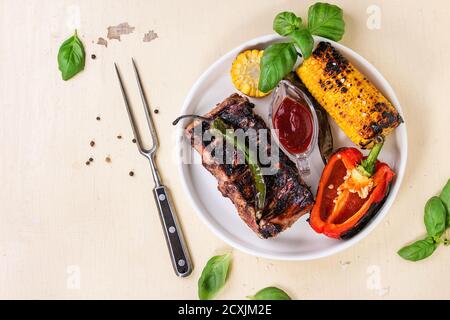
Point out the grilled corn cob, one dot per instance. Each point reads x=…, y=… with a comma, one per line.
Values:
x=245, y=73
x=359, y=109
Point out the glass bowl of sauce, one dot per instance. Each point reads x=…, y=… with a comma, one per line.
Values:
x=294, y=123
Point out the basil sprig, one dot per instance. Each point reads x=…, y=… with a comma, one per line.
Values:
x=324, y=20
x=436, y=219
x=251, y=158
x=214, y=276
x=286, y=22
x=270, y=293
x=304, y=41
x=71, y=57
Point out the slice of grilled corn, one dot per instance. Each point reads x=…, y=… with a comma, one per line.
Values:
x=245, y=73
x=357, y=106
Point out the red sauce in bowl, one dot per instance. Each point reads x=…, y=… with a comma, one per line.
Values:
x=294, y=123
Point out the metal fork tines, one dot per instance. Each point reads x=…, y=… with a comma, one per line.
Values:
x=174, y=236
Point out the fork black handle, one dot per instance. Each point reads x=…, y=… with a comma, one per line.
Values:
x=174, y=236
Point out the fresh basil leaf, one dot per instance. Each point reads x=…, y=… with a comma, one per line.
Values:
x=71, y=57
x=418, y=250
x=270, y=293
x=435, y=217
x=277, y=61
x=445, y=198
x=304, y=41
x=214, y=276
x=326, y=20
x=286, y=22
x=250, y=157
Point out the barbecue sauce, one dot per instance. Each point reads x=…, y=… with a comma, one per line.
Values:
x=294, y=123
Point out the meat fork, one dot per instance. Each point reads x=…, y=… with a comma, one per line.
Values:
x=174, y=237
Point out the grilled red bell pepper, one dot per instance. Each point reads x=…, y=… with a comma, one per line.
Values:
x=351, y=191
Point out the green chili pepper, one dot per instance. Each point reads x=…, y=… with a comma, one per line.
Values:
x=250, y=157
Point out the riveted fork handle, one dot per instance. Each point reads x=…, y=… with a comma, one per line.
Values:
x=174, y=236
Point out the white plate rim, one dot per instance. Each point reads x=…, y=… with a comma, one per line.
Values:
x=293, y=257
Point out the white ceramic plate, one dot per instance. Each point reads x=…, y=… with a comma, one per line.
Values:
x=299, y=242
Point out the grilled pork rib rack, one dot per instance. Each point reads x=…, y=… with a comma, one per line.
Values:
x=287, y=196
